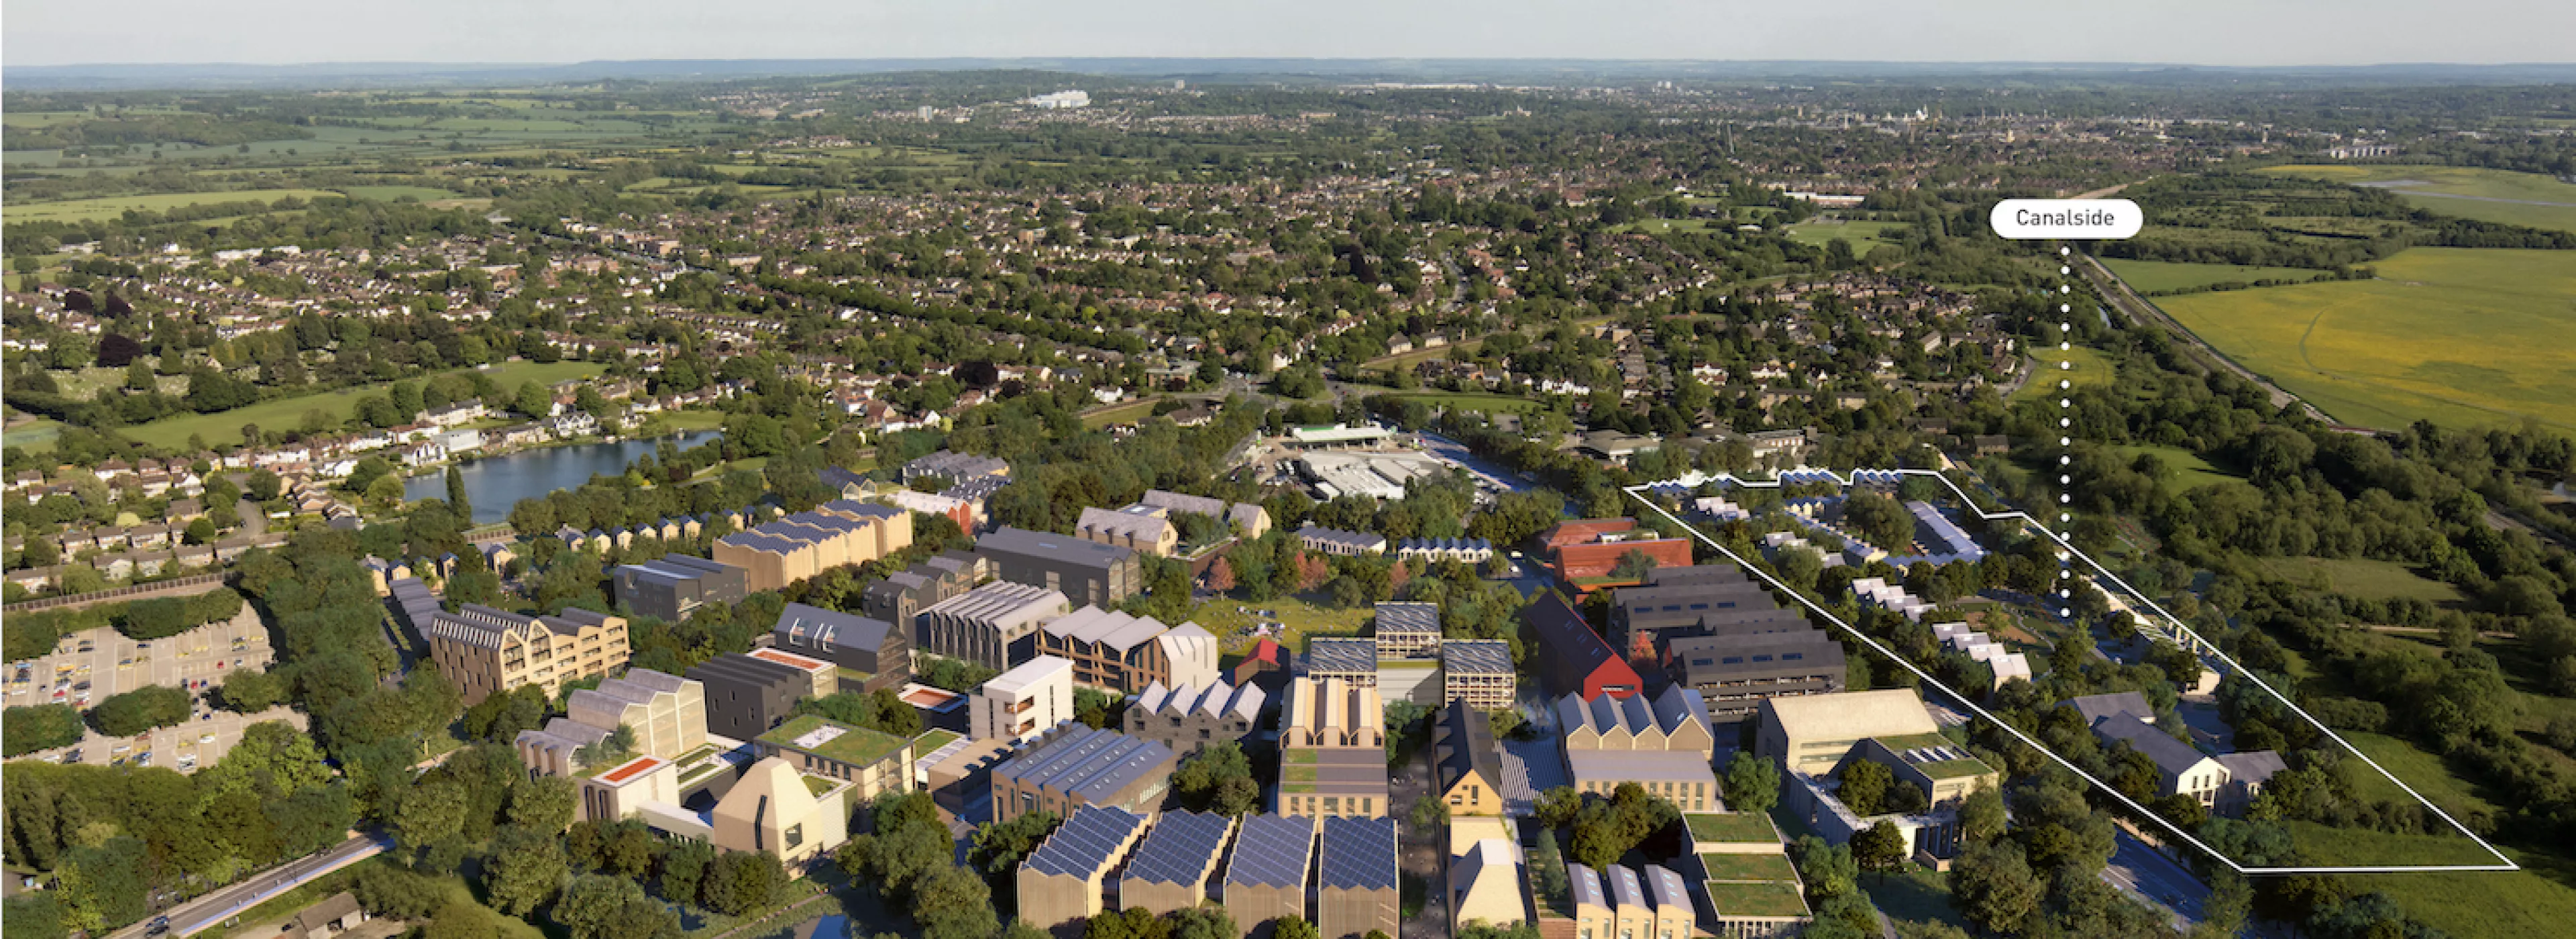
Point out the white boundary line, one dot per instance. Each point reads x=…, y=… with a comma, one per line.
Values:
x=1634, y=492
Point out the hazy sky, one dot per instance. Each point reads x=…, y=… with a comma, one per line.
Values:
x=2210, y=32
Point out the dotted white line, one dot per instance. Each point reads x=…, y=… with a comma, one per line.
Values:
x=2066, y=439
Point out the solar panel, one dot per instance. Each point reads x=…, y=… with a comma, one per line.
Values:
x=1359, y=853
x=1180, y=849
x=1272, y=851
x=1084, y=844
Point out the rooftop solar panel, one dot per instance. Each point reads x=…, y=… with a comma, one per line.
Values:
x=1272, y=851
x=1180, y=849
x=1359, y=853
x=1084, y=844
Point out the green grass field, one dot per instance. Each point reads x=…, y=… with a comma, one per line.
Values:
x=2467, y=192
x=2151, y=277
x=2368, y=579
x=1122, y=414
x=2468, y=338
x=2091, y=368
x=2186, y=469
x=36, y=435
x=1470, y=401
x=75, y=210
x=1862, y=235
x=1302, y=616
x=391, y=193
x=2419, y=770
x=172, y=433
x=2480, y=903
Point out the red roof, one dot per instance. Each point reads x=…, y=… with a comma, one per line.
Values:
x=1577, y=660
x=1582, y=531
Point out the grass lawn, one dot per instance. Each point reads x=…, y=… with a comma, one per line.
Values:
x=2152, y=277
x=692, y=420
x=2463, y=191
x=1821, y=232
x=74, y=210
x=1302, y=616
x=1122, y=414
x=171, y=433
x=1913, y=894
x=930, y=742
x=38, y=434
x=391, y=193
x=2422, y=771
x=2376, y=580
x=2186, y=469
x=2091, y=368
x=2465, y=337
x=2481, y=903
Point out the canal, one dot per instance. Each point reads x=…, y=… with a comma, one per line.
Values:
x=496, y=484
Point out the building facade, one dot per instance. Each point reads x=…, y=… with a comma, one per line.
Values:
x=1087, y=573
x=1030, y=699
x=488, y=651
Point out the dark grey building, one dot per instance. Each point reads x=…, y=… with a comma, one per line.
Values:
x=874, y=647
x=1735, y=672
x=749, y=696
x=1088, y=573
x=674, y=586
x=1684, y=601
x=905, y=593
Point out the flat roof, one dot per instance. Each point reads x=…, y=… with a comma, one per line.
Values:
x=858, y=746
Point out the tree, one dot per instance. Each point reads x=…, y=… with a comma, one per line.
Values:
x=1202, y=780
x=1879, y=848
x=1558, y=807
x=742, y=881
x=1202, y=923
x=142, y=709
x=429, y=813
x=1880, y=520
x=683, y=869
x=600, y=906
x=395, y=893
x=1220, y=575
x=1993, y=887
x=32, y=915
x=953, y=903
x=41, y=727
x=999, y=846
x=1633, y=565
x=1429, y=813
x=104, y=886
x=523, y=870
x=1864, y=788
x=1752, y=783
x=250, y=691
x=543, y=804
x=456, y=498
x=1292, y=927
x=1981, y=815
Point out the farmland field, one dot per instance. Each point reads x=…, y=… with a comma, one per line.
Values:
x=2152, y=277
x=80, y=209
x=1861, y=234
x=2367, y=579
x=2091, y=368
x=2467, y=192
x=286, y=413
x=2464, y=337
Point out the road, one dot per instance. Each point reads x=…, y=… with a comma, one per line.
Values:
x=2140, y=872
x=205, y=912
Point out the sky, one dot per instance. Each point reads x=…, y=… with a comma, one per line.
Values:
x=2197, y=32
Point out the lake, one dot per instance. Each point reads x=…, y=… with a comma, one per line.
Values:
x=496, y=484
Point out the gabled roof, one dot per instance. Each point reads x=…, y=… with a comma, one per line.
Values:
x=2097, y=707
x=1087, y=844
x=2172, y=756
x=1573, y=651
x=2252, y=767
x=814, y=624
x=1468, y=746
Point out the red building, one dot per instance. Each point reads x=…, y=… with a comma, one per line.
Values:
x=1584, y=568
x=1573, y=658
x=1582, y=531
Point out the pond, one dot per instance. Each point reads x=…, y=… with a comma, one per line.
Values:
x=494, y=485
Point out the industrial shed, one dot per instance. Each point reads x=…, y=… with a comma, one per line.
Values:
x=1357, y=892
x=1265, y=879
x=1171, y=869
x=1060, y=882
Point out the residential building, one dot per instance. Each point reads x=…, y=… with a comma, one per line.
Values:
x=1942, y=769
x=871, y=762
x=666, y=712
x=1442, y=550
x=1573, y=658
x=750, y=693
x=1585, y=553
x=1170, y=870
x=487, y=651
x=1356, y=889
x=902, y=595
x=1249, y=519
x=1191, y=717
x=1664, y=745
x=1621, y=902
x=1338, y=542
x=675, y=586
x=1485, y=885
x=1470, y=761
x=1128, y=528
x=1060, y=883
x=1478, y=672
x=1030, y=699
x=1123, y=652
x=870, y=653
x=1407, y=630
x=1332, y=751
x=1087, y=573
x=799, y=546
x=1265, y=877
x=1078, y=766
x=1352, y=660
x=954, y=467
x=991, y=625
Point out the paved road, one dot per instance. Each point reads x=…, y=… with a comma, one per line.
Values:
x=2140, y=872
x=205, y=912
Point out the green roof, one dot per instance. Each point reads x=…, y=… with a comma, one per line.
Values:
x=1770, y=899
x=856, y=746
x=1903, y=742
x=1732, y=827
x=1748, y=867
x=819, y=785
x=929, y=743
x=1300, y=755
x=1953, y=769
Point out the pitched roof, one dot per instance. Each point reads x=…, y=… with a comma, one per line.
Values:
x=828, y=627
x=2096, y=707
x=1272, y=851
x=1573, y=651
x=1087, y=844
x=1359, y=853
x=1181, y=849
x=2172, y=756
x=1468, y=746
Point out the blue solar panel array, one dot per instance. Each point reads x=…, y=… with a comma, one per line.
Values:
x=1085, y=844
x=1180, y=849
x=1272, y=851
x=1359, y=853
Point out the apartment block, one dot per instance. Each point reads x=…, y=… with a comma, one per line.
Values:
x=990, y=625
x=871, y=653
x=1024, y=702
x=793, y=548
x=1087, y=573
x=751, y=693
x=671, y=588
x=486, y=651
x=1123, y=652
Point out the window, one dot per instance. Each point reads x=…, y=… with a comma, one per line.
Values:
x=1792, y=656
x=795, y=835
x=1733, y=660
x=1762, y=658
